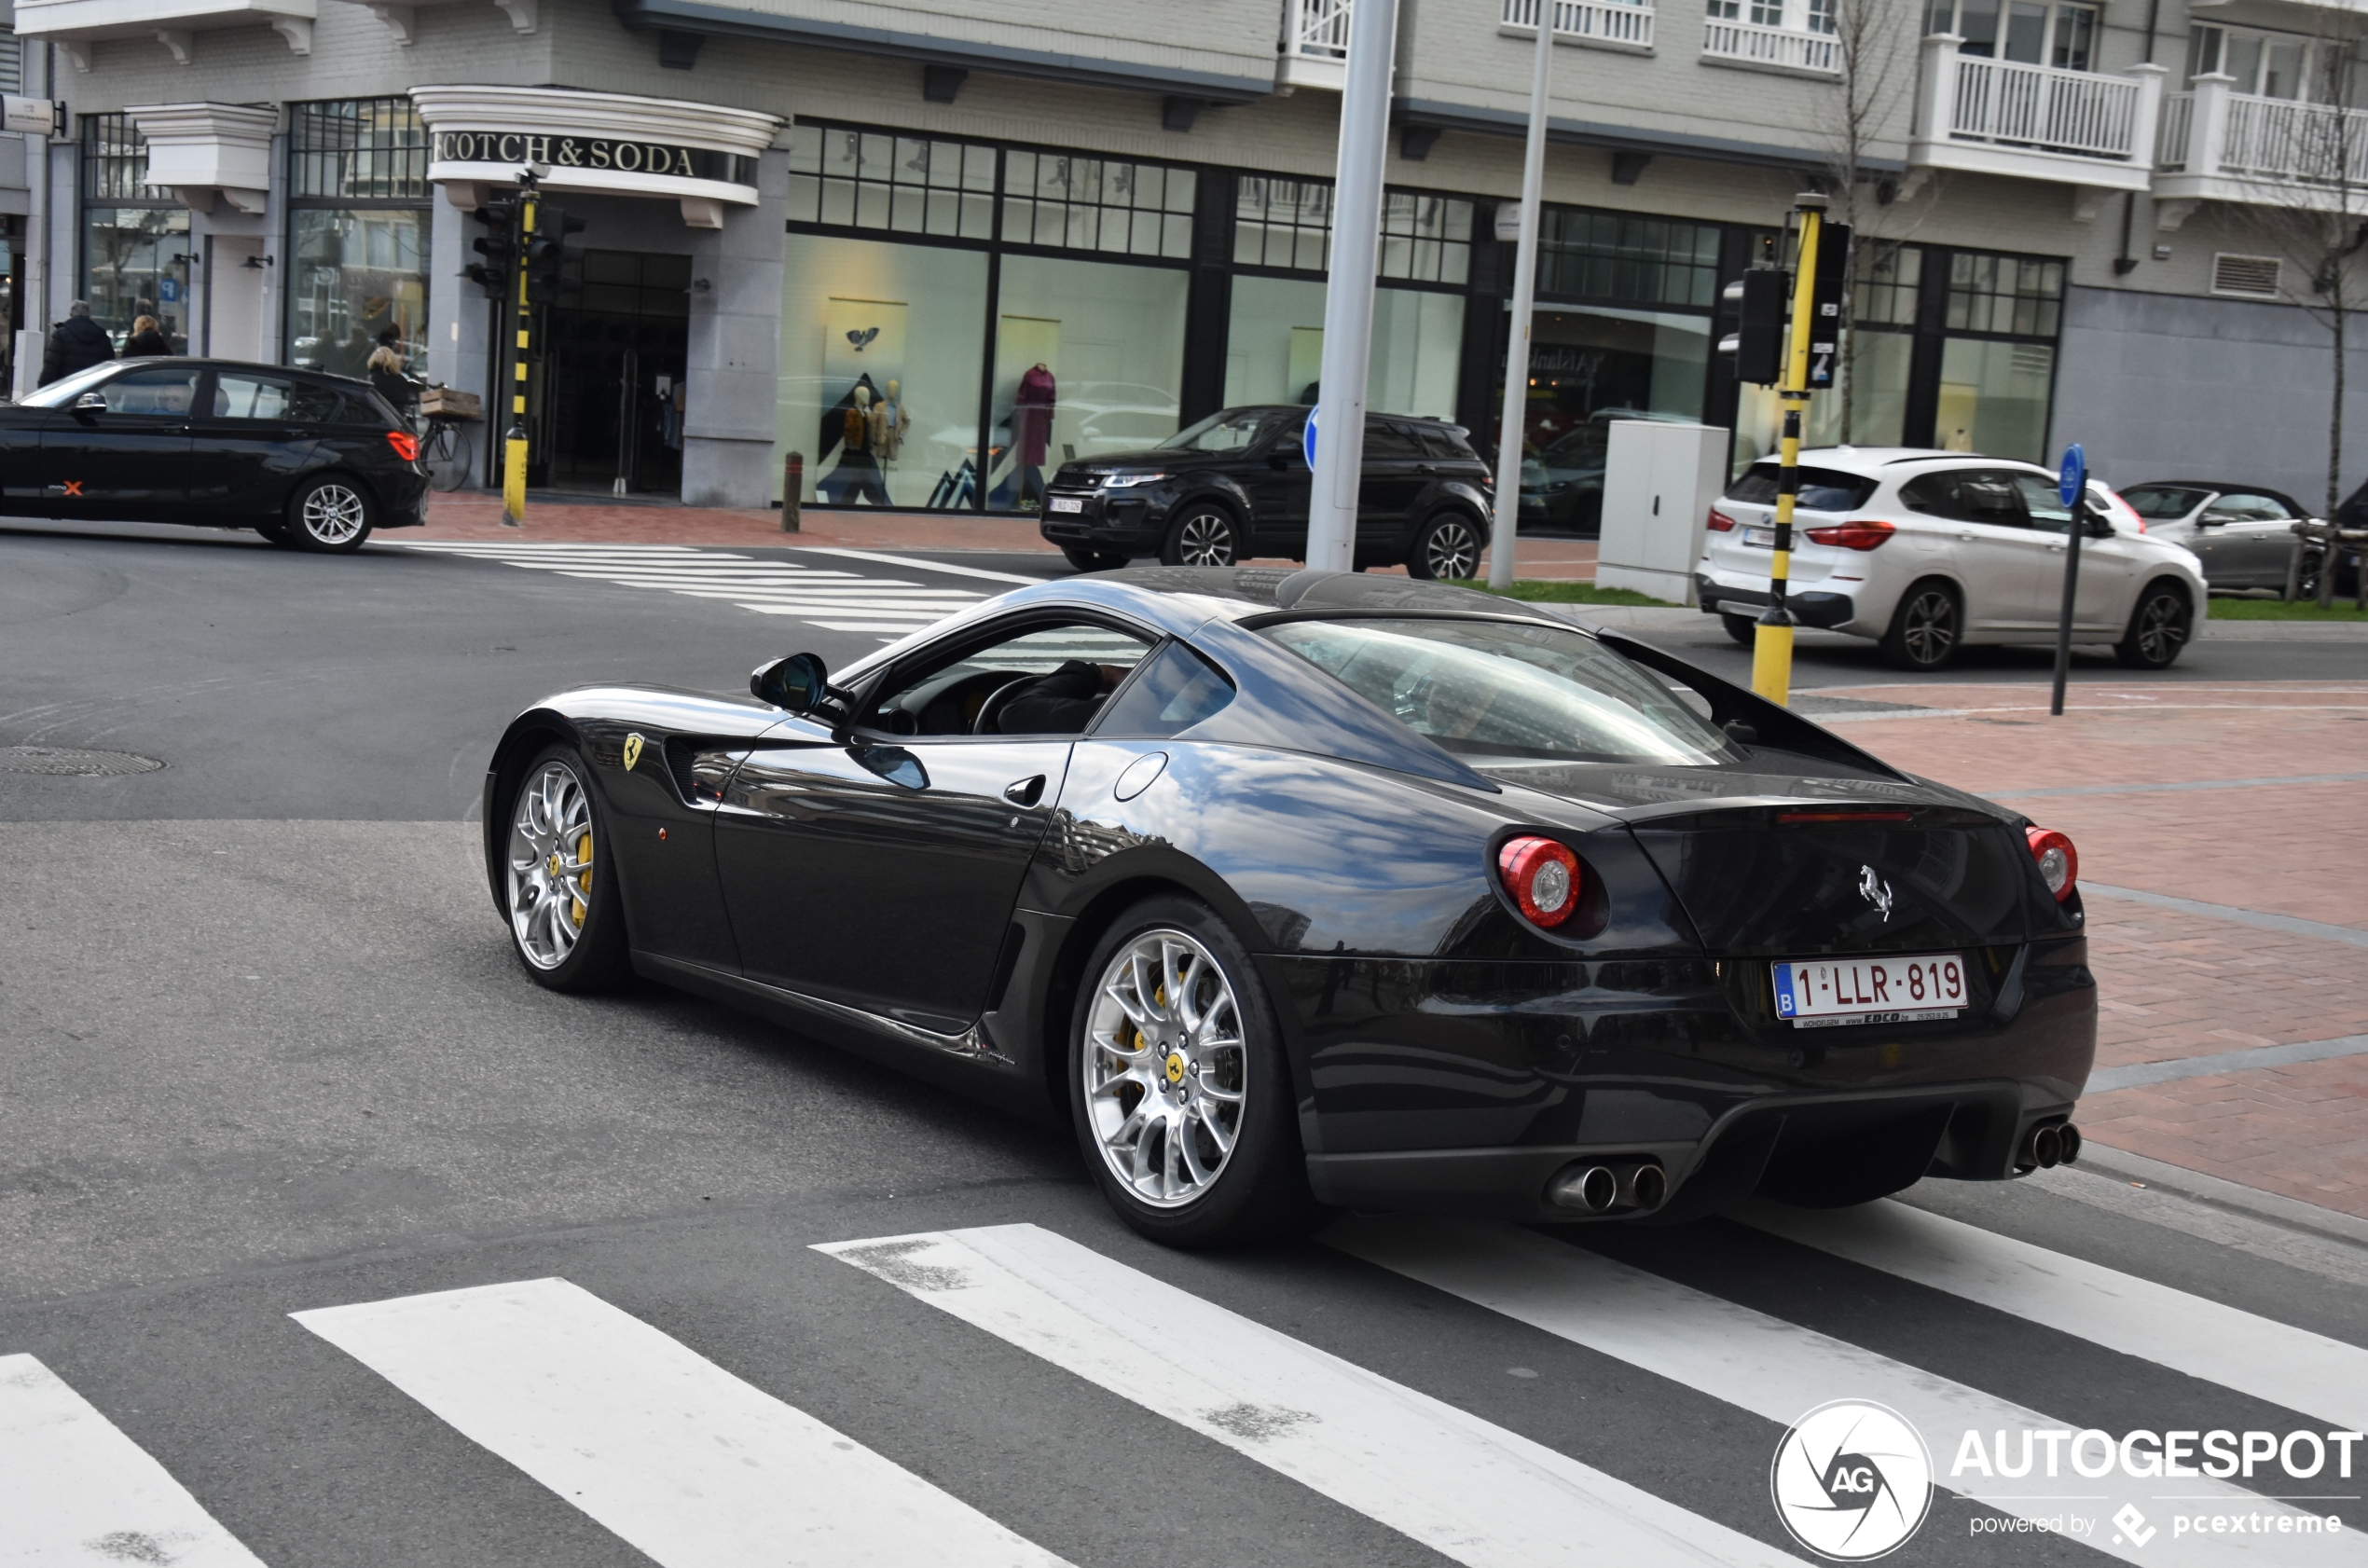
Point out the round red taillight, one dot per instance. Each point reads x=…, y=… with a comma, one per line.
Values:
x=1543, y=878
x=2059, y=861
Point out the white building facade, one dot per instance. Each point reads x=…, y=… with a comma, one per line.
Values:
x=2077, y=218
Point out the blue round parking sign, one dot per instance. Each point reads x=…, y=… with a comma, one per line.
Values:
x=2074, y=478
x=1307, y=440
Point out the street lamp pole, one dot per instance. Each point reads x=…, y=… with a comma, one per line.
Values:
x=1339, y=457
x=1508, y=441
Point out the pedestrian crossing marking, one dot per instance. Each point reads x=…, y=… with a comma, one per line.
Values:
x=691, y=1464
x=2293, y=1368
x=1469, y=1490
x=827, y=597
x=74, y=1489
x=1775, y=1370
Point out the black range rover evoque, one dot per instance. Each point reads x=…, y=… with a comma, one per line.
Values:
x=1234, y=487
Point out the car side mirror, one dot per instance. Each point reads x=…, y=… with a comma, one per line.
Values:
x=2101, y=527
x=95, y=402
x=799, y=684
x=2211, y=519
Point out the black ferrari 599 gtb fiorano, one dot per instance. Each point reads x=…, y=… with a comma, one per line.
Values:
x=1290, y=890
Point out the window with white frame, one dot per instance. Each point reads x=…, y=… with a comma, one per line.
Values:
x=1798, y=16
x=2270, y=64
x=2029, y=32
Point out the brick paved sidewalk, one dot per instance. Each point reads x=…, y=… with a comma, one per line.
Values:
x=2195, y=793
x=589, y=519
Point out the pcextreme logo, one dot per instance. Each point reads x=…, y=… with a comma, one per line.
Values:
x=1852, y=1480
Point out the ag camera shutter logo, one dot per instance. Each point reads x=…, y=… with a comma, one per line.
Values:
x=1852, y=1480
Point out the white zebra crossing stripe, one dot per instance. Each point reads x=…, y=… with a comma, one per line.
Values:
x=74, y=1489
x=2303, y=1372
x=692, y=1465
x=1781, y=1371
x=826, y=598
x=1469, y=1490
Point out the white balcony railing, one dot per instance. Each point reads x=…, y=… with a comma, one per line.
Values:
x=2001, y=116
x=1612, y=23
x=2044, y=107
x=2226, y=145
x=1315, y=46
x=1783, y=47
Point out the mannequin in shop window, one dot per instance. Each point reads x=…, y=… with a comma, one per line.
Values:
x=858, y=475
x=1032, y=432
x=890, y=421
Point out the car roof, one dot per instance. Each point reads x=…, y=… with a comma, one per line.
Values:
x=304, y=370
x=1305, y=408
x=1871, y=463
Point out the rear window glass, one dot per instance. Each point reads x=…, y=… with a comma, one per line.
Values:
x=1821, y=489
x=1446, y=441
x=2161, y=502
x=1489, y=689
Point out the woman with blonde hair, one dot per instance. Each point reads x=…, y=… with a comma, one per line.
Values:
x=148, y=339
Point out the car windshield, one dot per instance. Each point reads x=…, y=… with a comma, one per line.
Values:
x=2158, y=503
x=1229, y=430
x=1494, y=689
x=61, y=393
x=1821, y=489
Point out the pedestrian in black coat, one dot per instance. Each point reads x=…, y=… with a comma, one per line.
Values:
x=78, y=344
x=147, y=340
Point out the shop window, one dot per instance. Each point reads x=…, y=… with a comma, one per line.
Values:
x=1275, y=346
x=1097, y=204
x=1993, y=398
x=898, y=324
x=909, y=184
x=115, y=161
x=358, y=148
x=1879, y=367
x=1426, y=239
x=135, y=238
x=1089, y=360
x=1888, y=276
x=2018, y=294
x=353, y=274
x=1616, y=256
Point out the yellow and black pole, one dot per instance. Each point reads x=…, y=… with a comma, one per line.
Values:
x=1773, y=646
x=513, y=449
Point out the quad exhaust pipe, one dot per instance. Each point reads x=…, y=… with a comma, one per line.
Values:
x=2048, y=1145
x=1612, y=1186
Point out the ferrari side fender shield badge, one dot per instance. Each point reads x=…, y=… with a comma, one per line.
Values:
x=633, y=755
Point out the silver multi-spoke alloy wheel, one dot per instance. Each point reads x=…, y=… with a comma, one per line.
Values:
x=550, y=864
x=1205, y=538
x=1167, y=1071
x=334, y=514
x=1451, y=550
x=1929, y=626
x=2161, y=629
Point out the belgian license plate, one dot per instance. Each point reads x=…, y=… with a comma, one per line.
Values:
x=1068, y=503
x=1764, y=538
x=1821, y=993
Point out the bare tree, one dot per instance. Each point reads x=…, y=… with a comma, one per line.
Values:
x=1874, y=50
x=2306, y=163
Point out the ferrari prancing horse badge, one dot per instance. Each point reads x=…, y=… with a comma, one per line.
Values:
x=632, y=751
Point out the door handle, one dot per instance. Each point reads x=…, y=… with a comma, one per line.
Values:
x=1025, y=791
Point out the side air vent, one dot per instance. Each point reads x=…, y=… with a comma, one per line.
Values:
x=2248, y=277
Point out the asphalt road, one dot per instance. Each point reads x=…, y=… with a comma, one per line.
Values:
x=264, y=1051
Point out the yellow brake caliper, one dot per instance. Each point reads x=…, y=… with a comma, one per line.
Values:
x=583, y=880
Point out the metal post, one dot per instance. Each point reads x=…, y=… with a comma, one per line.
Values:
x=1504, y=537
x=1348, y=295
x=2071, y=596
x=1772, y=645
x=514, y=448
x=793, y=491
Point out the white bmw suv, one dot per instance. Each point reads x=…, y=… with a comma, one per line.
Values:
x=1929, y=551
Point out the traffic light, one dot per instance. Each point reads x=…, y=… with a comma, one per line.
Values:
x=1762, y=297
x=1828, y=284
x=547, y=250
x=499, y=249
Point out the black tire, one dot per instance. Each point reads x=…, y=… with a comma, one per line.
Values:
x=1447, y=549
x=2159, y=627
x=1203, y=534
x=1743, y=629
x=1927, y=628
x=1084, y=559
x=595, y=956
x=1259, y=1191
x=330, y=515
